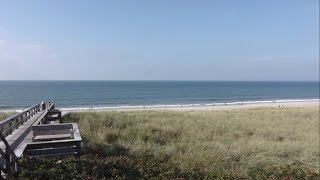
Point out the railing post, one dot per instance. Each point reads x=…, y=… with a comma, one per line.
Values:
x=17, y=121
x=78, y=148
x=59, y=116
x=10, y=156
x=14, y=122
x=21, y=121
x=12, y=163
x=8, y=167
x=10, y=127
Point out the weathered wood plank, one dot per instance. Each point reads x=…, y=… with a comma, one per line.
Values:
x=40, y=119
x=51, y=137
x=51, y=132
x=20, y=149
x=76, y=132
x=50, y=151
x=51, y=144
x=49, y=127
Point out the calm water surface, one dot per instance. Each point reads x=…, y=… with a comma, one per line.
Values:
x=22, y=94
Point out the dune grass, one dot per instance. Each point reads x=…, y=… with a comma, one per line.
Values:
x=5, y=115
x=236, y=142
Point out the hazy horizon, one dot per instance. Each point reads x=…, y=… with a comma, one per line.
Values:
x=165, y=80
x=160, y=40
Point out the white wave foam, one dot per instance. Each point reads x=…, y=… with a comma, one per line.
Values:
x=185, y=105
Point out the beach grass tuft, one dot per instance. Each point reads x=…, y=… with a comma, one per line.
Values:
x=238, y=143
x=5, y=115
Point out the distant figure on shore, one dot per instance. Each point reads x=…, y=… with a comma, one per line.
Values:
x=43, y=106
x=49, y=104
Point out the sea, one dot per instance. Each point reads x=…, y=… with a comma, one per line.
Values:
x=18, y=95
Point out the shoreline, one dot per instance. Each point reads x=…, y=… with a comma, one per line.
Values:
x=204, y=107
x=193, y=107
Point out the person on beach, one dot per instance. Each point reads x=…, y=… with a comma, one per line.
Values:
x=43, y=106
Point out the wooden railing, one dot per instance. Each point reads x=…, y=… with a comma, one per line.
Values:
x=7, y=126
x=9, y=156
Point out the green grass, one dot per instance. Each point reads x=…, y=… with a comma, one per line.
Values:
x=5, y=115
x=236, y=143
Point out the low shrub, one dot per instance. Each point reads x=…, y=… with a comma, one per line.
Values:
x=123, y=167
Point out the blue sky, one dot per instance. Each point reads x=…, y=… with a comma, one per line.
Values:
x=159, y=40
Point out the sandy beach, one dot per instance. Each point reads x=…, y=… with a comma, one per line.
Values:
x=225, y=106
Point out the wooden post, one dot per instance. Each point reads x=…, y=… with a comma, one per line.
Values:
x=78, y=147
x=10, y=127
x=59, y=116
x=12, y=163
x=25, y=117
x=16, y=122
x=8, y=168
x=71, y=133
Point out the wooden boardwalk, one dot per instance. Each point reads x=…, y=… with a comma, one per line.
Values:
x=32, y=134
